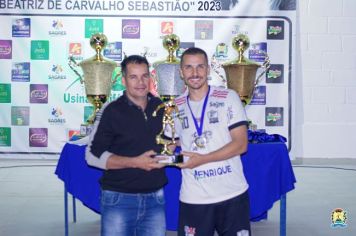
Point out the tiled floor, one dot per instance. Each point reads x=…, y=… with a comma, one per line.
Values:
x=31, y=202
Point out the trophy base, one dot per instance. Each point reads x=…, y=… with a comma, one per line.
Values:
x=171, y=159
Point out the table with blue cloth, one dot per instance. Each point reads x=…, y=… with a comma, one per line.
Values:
x=267, y=168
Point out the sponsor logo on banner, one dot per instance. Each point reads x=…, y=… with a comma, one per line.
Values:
x=72, y=133
x=275, y=74
x=274, y=116
x=131, y=29
x=88, y=110
x=117, y=86
x=5, y=137
x=114, y=51
x=56, y=116
x=167, y=27
x=38, y=93
x=5, y=93
x=93, y=26
x=20, y=115
x=259, y=96
x=221, y=51
x=75, y=49
x=338, y=218
x=20, y=72
x=57, y=73
x=236, y=29
x=258, y=52
x=38, y=137
x=57, y=29
x=39, y=49
x=275, y=29
x=204, y=29
x=21, y=27
x=184, y=46
x=5, y=49
x=147, y=52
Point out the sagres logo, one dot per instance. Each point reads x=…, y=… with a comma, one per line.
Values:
x=274, y=116
x=38, y=137
x=21, y=27
x=56, y=117
x=20, y=72
x=56, y=73
x=338, y=218
x=5, y=93
x=93, y=26
x=38, y=93
x=57, y=28
x=5, y=49
x=5, y=137
x=20, y=115
x=39, y=49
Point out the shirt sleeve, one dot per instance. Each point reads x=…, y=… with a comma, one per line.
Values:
x=236, y=114
x=100, y=140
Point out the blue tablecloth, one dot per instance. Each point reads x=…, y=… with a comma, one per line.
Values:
x=267, y=169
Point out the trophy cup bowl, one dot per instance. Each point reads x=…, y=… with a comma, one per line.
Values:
x=97, y=75
x=241, y=73
x=167, y=76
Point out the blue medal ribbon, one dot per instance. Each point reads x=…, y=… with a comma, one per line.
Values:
x=197, y=127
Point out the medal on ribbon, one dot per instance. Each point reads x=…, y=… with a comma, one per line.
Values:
x=200, y=141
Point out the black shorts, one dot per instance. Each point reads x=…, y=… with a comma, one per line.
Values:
x=228, y=218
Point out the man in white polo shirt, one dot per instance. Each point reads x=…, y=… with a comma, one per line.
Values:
x=212, y=131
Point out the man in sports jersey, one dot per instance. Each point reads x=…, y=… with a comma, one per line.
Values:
x=212, y=131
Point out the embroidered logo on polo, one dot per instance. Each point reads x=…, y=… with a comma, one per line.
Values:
x=213, y=116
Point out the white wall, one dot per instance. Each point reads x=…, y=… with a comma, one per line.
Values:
x=328, y=73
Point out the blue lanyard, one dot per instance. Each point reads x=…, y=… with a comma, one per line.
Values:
x=197, y=127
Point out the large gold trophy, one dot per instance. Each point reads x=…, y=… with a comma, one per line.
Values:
x=241, y=72
x=97, y=76
x=169, y=86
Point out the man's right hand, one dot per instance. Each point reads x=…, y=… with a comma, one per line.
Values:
x=147, y=161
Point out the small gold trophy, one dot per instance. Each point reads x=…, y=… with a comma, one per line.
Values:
x=241, y=72
x=97, y=77
x=169, y=86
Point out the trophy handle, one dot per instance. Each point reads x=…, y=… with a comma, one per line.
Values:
x=266, y=65
x=72, y=64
